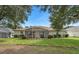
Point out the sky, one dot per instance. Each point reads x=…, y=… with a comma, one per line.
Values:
x=40, y=18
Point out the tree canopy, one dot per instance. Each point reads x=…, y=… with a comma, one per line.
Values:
x=62, y=15
x=14, y=14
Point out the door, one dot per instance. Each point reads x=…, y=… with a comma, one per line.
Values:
x=42, y=34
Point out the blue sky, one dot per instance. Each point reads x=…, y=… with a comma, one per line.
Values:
x=39, y=18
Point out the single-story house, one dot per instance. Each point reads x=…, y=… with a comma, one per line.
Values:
x=37, y=32
x=73, y=31
x=33, y=32
x=44, y=32
x=6, y=32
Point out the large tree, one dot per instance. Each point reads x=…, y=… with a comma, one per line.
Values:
x=14, y=14
x=62, y=15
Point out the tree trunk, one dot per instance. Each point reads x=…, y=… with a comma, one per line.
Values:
x=57, y=33
x=15, y=26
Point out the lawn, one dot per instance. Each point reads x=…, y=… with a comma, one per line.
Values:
x=54, y=45
x=66, y=42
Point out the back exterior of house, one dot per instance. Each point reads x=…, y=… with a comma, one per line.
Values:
x=5, y=32
x=33, y=32
x=38, y=32
x=73, y=31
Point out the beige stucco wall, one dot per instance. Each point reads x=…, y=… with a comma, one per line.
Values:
x=37, y=34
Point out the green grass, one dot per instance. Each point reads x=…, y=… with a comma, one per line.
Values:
x=67, y=42
x=54, y=45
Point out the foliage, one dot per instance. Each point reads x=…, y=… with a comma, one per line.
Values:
x=14, y=15
x=22, y=37
x=62, y=15
x=50, y=36
x=66, y=35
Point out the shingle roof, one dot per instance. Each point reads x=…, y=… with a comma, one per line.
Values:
x=73, y=28
x=19, y=29
x=6, y=30
x=41, y=27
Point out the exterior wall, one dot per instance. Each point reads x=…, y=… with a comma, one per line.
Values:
x=54, y=33
x=46, y=33
x=37, y=34
x=41, y=33
x=19, y=32
x=73, y=34
x=4, y=35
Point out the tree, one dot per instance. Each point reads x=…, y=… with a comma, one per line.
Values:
x=61, y=15
x=14, y=14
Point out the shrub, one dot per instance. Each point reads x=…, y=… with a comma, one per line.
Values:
x=50, y=36
x=15, y=36
x=22, y=36
x=55, y=36
x=59, y=35
x=66, y=35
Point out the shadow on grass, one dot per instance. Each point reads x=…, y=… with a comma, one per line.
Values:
x=2, y=40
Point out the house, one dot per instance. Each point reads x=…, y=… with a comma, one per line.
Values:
x=38, y=32
x=33, y=32
x=19, y=31
x=73, y=31
x=5, y=32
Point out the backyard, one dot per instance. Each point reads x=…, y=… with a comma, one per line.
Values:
x=54, y=45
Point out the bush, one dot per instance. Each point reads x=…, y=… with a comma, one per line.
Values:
x=22, y=36
x=66, y=35
x=15, y=36
x=50, y=36
x=55, y=36
x=59, y=35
